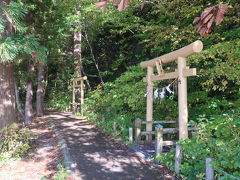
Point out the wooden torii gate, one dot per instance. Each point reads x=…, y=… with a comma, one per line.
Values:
x=76, y=84
x=181, y=73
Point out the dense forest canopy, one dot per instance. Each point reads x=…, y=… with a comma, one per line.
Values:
x=46, y=43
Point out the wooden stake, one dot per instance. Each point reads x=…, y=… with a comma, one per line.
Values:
x=178, y=158
x=82, y=97
x=73, y=97
x=130, y=132
x=149, y=102
x=138, y=123
x=114, y=126
x=182, y=99
x=209, y=169
x=158, y=139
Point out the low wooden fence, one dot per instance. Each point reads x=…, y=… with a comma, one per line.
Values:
x=139, y=133
x=159, y=143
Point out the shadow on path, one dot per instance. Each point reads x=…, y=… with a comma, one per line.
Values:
x=95, y=156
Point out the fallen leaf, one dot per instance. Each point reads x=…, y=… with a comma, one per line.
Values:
x=207, y=18
x=101, y=4
x=220, y=14
x=207, y=11
x=196, y=19
x=209, y=24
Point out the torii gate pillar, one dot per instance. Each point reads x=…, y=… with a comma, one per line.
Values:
x=149, y=114
x=182, y=99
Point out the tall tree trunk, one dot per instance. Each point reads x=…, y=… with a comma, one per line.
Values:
x=29, y=95
x=19, y=107
x=77, y=52
x=78, y=56
x=7, y=95
x=40, y=90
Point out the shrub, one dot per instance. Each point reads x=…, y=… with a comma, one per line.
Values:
x=61, y=173
x=59, y=100
x=218, y=139
x=15, y=141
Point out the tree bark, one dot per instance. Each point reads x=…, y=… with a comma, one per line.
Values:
x=7, y=95
x=40, y=90
x=77, y=52
x=29, y=95
x=19, y=107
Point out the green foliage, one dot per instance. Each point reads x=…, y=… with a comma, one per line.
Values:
x=119, y=101
x=17, y=14
x=18, y=43
x=8, y=50
x=59, y=100
x=218, y=139
x=15, y=141
x=61, y=173
x=59, y=89
x=219, y=67
x=119, y=41
x=123, y=100
x=2, y=27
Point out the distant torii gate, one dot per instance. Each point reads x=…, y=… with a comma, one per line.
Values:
x=181, y=73
x=78, y=84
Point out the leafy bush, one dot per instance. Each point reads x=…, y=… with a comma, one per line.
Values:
x=15, y=141
x=61, y=173
x=219, y=67
x=123, y=100
x=59, y=100
x=218, y=139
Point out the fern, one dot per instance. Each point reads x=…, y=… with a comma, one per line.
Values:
x=17, y=13
x=2, y=27
x=19, y=43
x=8, y=50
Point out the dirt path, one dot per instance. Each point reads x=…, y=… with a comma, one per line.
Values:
x=97, y=157
x=41, y=162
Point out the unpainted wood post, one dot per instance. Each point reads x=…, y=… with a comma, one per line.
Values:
x=178, y=158
x=158, y=139
x=138, y=123
x=149, y=114
x=73, y=93
x=114, y=126
x=209, y=169
x=82, y=96
x=74, y=109
x=73, y=98
x=182, y=99
x=130, y=132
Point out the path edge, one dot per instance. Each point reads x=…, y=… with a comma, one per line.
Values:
x=67, y=160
